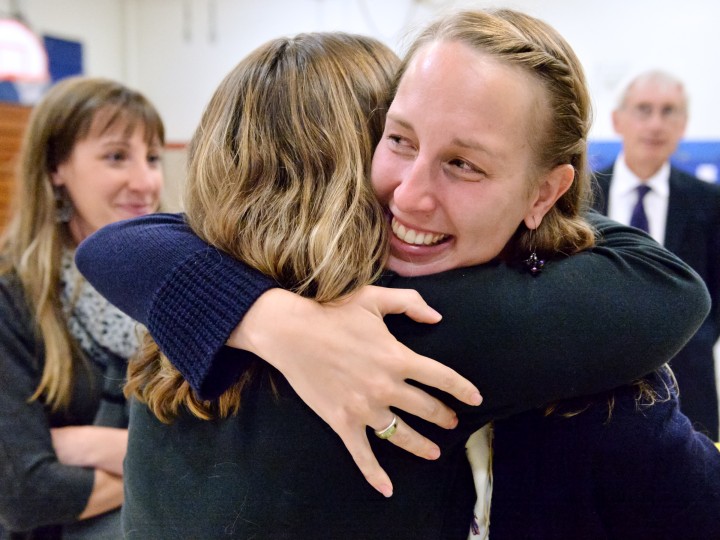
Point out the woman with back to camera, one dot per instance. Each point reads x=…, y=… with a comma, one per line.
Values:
x=90, y=156
x=433, y=181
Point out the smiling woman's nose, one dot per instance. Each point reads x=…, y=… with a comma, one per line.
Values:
x=414, y=192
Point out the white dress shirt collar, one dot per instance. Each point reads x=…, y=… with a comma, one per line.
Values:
x=623, y=197
x=625, y=181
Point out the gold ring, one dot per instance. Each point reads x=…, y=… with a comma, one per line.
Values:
x=388, y=431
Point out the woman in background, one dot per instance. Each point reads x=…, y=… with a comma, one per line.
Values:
x=90, y=157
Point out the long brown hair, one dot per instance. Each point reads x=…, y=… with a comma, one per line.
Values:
x=278, y=177
x=32, y=244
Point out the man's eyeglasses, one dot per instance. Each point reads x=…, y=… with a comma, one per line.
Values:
x=668, y=113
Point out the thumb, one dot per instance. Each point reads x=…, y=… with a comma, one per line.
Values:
x=407, y=301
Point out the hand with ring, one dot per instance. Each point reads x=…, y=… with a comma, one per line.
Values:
x=388, y=431
x=345, y=364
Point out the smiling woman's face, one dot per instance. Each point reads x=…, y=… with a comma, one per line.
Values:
x=110, y=176
x=454, y=166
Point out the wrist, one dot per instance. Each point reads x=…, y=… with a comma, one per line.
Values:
x=276, y=316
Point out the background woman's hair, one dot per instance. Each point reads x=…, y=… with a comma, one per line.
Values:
x=278, y=177
x=32, y=244
x=520, y=40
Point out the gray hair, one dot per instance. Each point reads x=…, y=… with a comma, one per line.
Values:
x=652, y=76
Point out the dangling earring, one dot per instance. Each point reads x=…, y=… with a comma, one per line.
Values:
x=534, y=263
x=63, y=205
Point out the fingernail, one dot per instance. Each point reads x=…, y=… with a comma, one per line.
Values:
x=433, y=453
x=454, y=423
x=386, y=490
x=434, y=311
x=475, y=399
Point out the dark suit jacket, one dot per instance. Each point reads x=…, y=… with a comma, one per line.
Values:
x=693, y=234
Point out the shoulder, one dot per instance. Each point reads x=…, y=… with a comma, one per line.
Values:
x=19, y=342
x=702, y=197
x=10, y=281
x=18, y=330
x=680, y=179
x=12, y=297
x=647, y=420
x=654, y=449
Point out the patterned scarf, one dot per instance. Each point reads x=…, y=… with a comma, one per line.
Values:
x=97, y=325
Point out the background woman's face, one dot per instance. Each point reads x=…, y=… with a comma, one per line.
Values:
x=109, y=177
x=453, y=166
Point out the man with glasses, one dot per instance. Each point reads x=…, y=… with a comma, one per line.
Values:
x=678, y=210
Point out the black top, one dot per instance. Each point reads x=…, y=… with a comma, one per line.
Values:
x=39, y=496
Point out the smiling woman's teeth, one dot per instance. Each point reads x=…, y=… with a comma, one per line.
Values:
x=411, y=236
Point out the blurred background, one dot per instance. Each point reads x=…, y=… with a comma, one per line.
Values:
x=177, y=51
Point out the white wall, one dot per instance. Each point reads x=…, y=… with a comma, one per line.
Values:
x=99, y=24
x=614, y=38
x=182, y=49
x=177, y=51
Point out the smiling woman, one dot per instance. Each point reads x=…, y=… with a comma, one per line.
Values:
x=113, y=173
x=458, y=182
x=90, y=157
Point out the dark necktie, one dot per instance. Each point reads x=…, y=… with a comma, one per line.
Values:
x=638, y=218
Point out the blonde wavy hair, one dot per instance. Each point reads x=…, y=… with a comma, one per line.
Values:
x=31, y=246
x=517, y=39
x=278, y=177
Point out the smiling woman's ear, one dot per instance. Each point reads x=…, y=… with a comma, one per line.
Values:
x=552, y=186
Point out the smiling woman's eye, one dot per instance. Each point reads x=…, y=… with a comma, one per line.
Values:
x=465, y=166
x=460, y=164
x=465, y=170
x=400, y=144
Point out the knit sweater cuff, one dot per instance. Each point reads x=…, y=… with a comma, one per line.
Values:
x=194, y=312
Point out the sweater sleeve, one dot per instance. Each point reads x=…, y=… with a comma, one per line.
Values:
x=587, y=323
x=189, y=295
x=37, y=490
